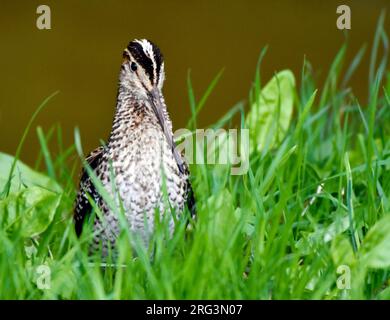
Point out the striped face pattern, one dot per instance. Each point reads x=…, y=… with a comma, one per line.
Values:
x=143, y=65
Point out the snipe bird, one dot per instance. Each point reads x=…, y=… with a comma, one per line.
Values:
x=140, y=155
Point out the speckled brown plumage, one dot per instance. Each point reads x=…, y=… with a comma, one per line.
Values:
x=138, y=156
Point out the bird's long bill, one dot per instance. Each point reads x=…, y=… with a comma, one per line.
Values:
x=155, y=101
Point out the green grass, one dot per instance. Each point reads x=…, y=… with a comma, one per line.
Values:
x=314, y=201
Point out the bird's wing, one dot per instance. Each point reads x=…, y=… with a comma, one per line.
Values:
x=83, y=206
x=191, y=203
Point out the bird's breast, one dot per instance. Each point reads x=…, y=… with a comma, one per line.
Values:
x=144, y=168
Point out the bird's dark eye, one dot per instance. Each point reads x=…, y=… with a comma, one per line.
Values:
x=133, y=66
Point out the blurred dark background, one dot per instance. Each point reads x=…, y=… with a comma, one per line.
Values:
x=81, y=55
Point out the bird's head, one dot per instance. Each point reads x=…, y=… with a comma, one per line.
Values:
x=142, y=70
x=142, y=74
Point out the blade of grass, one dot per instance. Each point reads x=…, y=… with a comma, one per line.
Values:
x=46, y=153
x=196, y=108
x=6, y=189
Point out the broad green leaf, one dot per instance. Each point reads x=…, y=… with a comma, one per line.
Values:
x=249, y=221
x=375, y=250
x=336, y=227
x=323, y=235
x=384, y=294
x=222, y=220
x=269, y=118
x=23, y=176
x=341, y=251
x=30, y=210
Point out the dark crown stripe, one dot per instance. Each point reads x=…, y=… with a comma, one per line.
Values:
x=139, y=55
x=137, y=51
x=158, y=58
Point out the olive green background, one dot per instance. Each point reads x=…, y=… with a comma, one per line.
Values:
x=81, y=55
